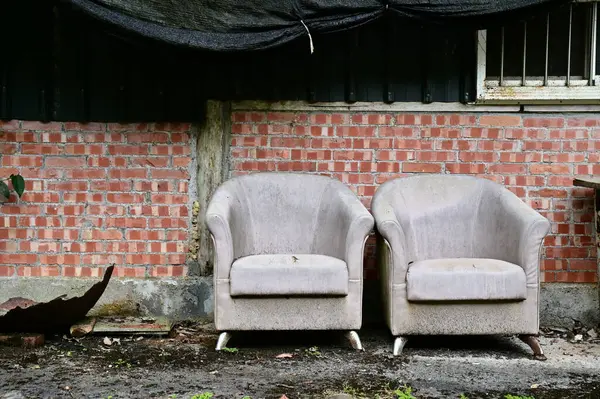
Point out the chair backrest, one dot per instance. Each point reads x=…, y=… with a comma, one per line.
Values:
x=449, y=216
x=285, y=213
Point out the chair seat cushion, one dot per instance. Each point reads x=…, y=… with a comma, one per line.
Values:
x=465, y=279
x=263, y=275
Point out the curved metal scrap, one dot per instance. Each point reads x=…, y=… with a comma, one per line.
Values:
x=54, y=316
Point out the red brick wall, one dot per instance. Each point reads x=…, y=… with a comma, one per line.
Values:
x=96, y=194
x=536, y=156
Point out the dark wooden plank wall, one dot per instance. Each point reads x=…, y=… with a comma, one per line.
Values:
x=58, y=64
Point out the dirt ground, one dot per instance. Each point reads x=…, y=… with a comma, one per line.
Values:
x=313, y=366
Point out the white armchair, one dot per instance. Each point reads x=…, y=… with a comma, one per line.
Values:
x=458, y=255
x=288, y=254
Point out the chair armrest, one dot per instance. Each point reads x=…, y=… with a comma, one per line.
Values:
x=531, y=228
x=358, y=225
x=390, y=229
x=218, y=221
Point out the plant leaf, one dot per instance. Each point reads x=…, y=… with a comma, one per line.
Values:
x=18, y=184
x=4, y=191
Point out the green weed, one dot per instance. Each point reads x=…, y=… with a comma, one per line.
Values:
x=404, y=393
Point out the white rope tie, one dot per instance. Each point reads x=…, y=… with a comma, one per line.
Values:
x=312, y=48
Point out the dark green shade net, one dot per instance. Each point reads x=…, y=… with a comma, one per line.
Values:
x=234, y=25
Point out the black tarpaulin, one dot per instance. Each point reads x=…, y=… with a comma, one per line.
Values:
x=234, y=25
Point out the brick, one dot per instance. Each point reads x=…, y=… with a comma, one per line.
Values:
x=328, y=119
x=135, y=223
x=507, y=169
x=421, y=168
x=20, y=160
x=76, y=271
x=18, y=258
x=248, y=116
x=555, y=169
x=34, y=125
x=108, y=234
x=351, y=131
x=68, y=186
x=87, y=127
x=440, y=132
x=543, y=122
x=567, y=252
x=372, y=119
x=132, y=272
x=455, y=120
x=520, y=157
x=169, y=271
x=102, y=259
x=170, y=127
x=145, y=235
x=465, y=168
x=414, y=119
x=435, y=156
x=124, y=198
x=470, y=156
x=6, y=271
x=171, y=149
x=500, y=120
x=287, y=117
x=26, y=341
x=583, y=264
x=65, y=162
x=576, y=277
x=552, y=193
x=38, y=271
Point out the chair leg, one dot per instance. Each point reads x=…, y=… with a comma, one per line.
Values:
x=399, y=345
x=534, y=344
x=224, y=337
x=354, y=340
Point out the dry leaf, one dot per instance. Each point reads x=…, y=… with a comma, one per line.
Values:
x=107, y=341
x=534, y=386
x=284, y=356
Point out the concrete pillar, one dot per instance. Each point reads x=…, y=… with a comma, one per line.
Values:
x=212, y=154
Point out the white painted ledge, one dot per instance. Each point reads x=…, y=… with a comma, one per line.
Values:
x=302, y=106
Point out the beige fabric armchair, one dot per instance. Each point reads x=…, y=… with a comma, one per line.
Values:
x=288, y=254
x=458, y=255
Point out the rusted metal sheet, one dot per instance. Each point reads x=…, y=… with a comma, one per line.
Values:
x=15, y=302
x=58, y=315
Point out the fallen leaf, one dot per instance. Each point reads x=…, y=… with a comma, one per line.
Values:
x=284, y=356
x=534, y=386
x=107, y=341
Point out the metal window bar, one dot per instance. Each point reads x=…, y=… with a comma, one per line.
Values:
x=524, y=76
x=502, y=56
x=547, y=49
x=593, y=43
x=568, y=80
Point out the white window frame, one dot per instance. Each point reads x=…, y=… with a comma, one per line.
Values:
x=545, y=89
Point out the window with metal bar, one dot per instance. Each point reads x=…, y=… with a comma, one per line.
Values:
x=550, y=59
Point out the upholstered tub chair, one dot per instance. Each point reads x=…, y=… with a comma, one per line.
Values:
x=459, y=255
x=288, y=254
